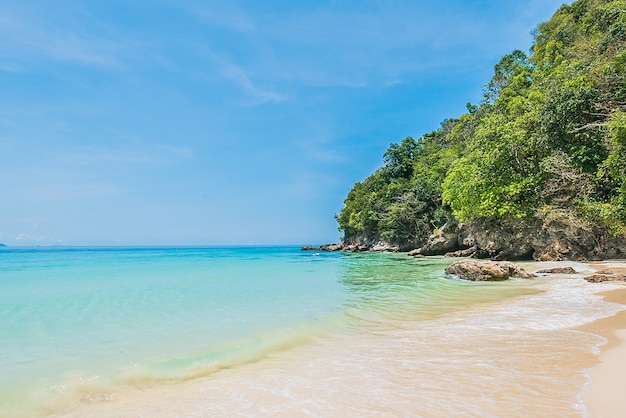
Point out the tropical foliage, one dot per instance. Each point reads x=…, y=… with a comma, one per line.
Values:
x=549, y=136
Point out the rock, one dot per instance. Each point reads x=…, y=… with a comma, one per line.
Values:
x=552, y=252
x=486, y=270
x=414, y=252
x=555, y=236
x=463, y=253
x=438, y=245
x=605, y=272
x=383, y=246
x=517, y=271
x=309, y=248
x=558, y=270
x=450, y=237
x=419, y=256
x=598, y=278
x=331, y=247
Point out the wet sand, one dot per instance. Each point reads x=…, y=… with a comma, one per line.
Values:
x=604, y=397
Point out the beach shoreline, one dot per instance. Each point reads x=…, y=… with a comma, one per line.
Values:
x=418, y=366
x=550, y=346
x=603, y=396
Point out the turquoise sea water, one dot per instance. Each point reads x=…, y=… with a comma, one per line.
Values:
x=77, y=324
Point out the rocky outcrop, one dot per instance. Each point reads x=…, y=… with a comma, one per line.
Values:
x=482, y=270
x=555, y=238
x=451, y=237
x=550, y=239
x=599, y=278
x=558, y=236
x=325, y=247
x=374, y=242
x=376, y=247
x=463, y=253
x=558, y=270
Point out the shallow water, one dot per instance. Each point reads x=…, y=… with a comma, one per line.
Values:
x=279, y=332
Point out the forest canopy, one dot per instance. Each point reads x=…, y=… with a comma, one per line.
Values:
x=548, y=139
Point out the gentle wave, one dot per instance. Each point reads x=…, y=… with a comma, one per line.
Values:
x=512, y=357
x=132, y=325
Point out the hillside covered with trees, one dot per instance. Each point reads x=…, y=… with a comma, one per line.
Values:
x=546, y=144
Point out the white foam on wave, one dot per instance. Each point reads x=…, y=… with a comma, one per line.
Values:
x=565, y=303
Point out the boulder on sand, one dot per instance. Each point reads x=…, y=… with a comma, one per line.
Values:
x=482, y=270
x=558, y=270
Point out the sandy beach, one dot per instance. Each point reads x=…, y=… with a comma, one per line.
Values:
x=515, y=358
x=604, y=397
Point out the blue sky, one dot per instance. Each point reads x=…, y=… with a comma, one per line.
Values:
x=190, y=122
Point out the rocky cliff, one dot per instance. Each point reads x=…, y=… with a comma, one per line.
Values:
x=547, y=239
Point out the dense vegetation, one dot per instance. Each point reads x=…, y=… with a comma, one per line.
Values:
x=548, y=140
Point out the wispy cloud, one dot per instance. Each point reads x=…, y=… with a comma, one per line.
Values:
x=258, y=94
x=149, y=154
x=32, y=235
x=29, y=33
x=376, y=44
x=10, y=68
x=320, y=149
x=67, y=192
x=227, y=16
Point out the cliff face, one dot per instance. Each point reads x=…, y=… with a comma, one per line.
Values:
x=551, y=239
x=547, y=239
x=373, y=242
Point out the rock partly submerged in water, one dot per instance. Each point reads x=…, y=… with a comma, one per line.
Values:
x=558, y=270
x=605, y=276
x=325, y=247
x=482, y=270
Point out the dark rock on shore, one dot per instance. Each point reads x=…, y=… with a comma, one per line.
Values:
x=599, y=278
x=482, y=270
x=463, y=253
x=558, y=270
x=605, y=276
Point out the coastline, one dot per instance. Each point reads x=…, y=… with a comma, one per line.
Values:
x=603, y=397
x=524, y=357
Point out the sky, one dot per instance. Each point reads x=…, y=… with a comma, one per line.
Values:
x=188, y=122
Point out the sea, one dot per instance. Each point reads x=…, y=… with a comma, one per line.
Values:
x=275, y=331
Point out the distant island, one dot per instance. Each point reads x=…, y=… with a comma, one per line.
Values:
x=537, y=170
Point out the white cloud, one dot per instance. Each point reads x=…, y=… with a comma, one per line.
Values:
x=258, y=94
x=27, y=237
